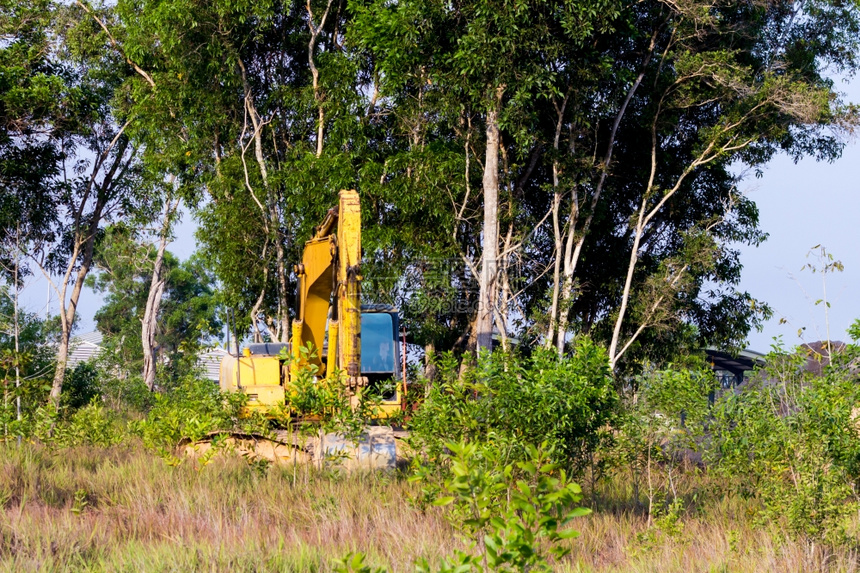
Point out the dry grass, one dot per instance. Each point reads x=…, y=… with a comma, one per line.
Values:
x=143, y=515
x=716, y=543
x=135, y=513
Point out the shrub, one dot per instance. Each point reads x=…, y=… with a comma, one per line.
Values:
x=513, y=401
x=512, y=516
x=663, y=418
x=192, y=410
x=80, y=386
x=92, y=425
x=792, y=441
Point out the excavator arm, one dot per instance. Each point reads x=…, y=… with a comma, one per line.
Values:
x=330, y=271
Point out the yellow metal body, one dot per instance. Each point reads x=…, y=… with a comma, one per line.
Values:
x=329, y=271
x=348, y=358
x=316, y=277
x=257, y=376
x=331, y=265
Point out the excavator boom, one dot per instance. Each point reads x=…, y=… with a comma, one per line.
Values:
x=330, y=271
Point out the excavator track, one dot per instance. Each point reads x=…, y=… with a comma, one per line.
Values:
x=253, y=447
x=379, y=447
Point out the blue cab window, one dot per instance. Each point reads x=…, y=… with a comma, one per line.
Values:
x=377, y=343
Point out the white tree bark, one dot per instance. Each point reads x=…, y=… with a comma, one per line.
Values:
x=315, y=75
x=576, y=237
x=489, y=259
x=157, y=284
x=84, y=236
x=270, y=211
x=556, y=227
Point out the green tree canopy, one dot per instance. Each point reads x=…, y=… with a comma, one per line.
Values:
x=187, y=318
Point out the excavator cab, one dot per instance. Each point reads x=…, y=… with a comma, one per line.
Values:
x=262, y=372
x=380, y=353
x=353, y=344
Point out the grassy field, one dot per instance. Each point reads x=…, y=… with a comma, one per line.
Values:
x=124, y=509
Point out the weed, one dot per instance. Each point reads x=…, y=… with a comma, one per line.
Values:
x=81, y=502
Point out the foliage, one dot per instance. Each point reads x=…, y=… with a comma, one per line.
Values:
x=513, y=401
x=92, y=425
x=187, y=316
x=514, y=514
x=664, y=419
x=791, y=440
x=81, y=386
x=122, y=393
x=35, y=95
x=33, y=360
x=581, y=90
x=317, y=405
x=192, y=410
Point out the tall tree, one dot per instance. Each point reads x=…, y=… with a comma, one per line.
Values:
x=86, y=169
x=35, y=93
x=260, y=106
x=632, y=121
x=487, y=64
x=185, y=316
x=576, y=157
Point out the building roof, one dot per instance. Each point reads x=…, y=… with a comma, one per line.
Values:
x=84, y=347
x=736, y=364
x=210, y=362
x=95, y=337
x=87, y=345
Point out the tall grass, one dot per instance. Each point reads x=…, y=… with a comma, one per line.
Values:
x=124, y=509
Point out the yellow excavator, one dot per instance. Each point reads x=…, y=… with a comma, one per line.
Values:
x=355, y=343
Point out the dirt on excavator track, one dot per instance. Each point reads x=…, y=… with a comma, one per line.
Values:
x=379, y=447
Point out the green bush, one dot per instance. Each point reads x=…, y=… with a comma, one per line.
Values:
x=791, y=440
x=93, y=425
x=81, y=385
x=192, y=410
x=513, y=516
x=664, y=417
x=513, y=401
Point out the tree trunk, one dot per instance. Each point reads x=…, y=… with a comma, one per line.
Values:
x=271, y=212
x=150, y=318
x=625, y=296
x=567, y=277
x=315, y=31
x=429, y=363
x=505, y=298
x=153, y=300
x=556, y=227
x=572, y=254
x=489, y=262
x=84, y=243
x=556, y=269
x=67, y=320
x=283, y=305
x=17, y=328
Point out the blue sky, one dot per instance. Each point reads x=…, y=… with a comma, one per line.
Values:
x=803, y=205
